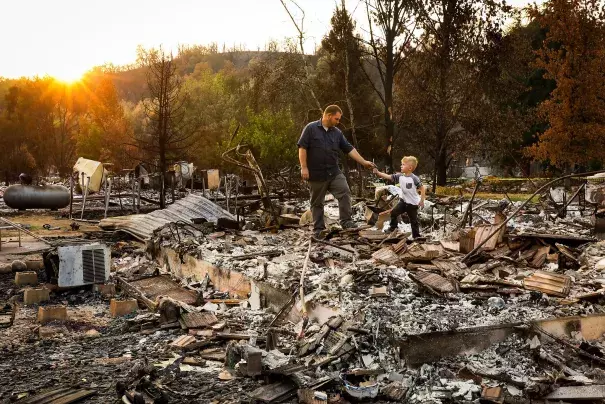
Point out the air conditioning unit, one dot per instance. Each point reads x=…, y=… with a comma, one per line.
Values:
x=83, y=264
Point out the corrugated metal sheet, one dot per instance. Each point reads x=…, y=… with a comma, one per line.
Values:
x=198, y=320
x=142, y=226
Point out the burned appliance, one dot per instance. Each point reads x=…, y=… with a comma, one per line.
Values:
x=78, y=265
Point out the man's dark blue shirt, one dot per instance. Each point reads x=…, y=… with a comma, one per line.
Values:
x=323, y=150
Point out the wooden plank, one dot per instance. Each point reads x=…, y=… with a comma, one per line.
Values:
x=400, y=247
x=73, y=397
x=482, y=232
x=540, y=257
x=374, y=235
x=467, y=240
x=386, y=255
x=594, y=392
x=549, y=283
x=577, y=239
x=46, y=395
x=434, y=281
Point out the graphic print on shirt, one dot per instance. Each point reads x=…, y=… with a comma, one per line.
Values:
x=409, y=187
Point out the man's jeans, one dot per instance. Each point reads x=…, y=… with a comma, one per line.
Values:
x=338, y=187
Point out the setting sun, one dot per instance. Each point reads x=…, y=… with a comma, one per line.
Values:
x=67, y=75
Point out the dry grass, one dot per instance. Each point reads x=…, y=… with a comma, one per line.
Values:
x=450, y=191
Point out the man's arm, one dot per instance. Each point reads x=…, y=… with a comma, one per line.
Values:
x=303, y=145
x=357, y=157
x=302, y=157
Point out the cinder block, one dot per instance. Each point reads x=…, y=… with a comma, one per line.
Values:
x=34, y=265
x=119, y=308
x=108, y=290
x=26, y=278
x=48, y=332
x=35, y=296
x=52, y=313
x=254, y=358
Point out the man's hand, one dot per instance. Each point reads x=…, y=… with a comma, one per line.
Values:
x=368, y=164
x=304, y=173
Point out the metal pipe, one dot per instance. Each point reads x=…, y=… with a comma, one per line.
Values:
x=71, y=194
x=85, y=195
x=108, y=195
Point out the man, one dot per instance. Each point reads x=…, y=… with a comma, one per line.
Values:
x=318, y=152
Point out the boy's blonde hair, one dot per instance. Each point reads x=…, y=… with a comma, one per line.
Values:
x=410, y=159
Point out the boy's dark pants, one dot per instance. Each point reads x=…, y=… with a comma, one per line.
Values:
x=412, y=211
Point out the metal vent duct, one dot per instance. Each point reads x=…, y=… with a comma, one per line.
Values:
x=93, y=266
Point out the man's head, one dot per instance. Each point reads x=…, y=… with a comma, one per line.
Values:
x=408, y=164
x=331, y=116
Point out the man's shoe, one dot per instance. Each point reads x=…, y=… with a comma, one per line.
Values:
x=317, y=234
x=349, y=225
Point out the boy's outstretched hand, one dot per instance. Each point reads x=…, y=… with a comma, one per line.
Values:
x=368, y=164
x=375, y=170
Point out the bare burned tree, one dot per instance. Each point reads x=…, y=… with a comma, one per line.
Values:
x=168, y=135
x=301, y=43
x=391, y=32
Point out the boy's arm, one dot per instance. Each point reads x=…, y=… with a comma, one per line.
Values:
x=384, y=176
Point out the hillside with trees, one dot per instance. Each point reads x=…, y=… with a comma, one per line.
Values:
x=442, y=80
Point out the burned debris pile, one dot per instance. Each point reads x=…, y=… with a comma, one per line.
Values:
x=499, y=301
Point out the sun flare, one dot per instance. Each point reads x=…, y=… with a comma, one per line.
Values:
x=68, y=76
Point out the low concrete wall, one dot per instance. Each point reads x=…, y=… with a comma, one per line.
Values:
x=237, y=284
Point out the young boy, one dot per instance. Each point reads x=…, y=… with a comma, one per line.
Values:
x=410, y=200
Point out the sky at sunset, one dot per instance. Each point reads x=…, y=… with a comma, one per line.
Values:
x=64, y=38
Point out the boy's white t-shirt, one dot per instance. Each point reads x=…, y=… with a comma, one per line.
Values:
x=409, y=187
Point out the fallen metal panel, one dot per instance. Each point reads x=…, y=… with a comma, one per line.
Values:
x=156, y=286
x=274, y=392
x=429, y=347
x=186, y=209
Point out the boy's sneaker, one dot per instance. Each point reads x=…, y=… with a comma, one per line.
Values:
x=390, y=229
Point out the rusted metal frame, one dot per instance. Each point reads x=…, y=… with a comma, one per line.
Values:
x=252, y=166
x=469, y=207
x=564, y=208
x=305, y=314
x=16, y=226
x=579, y=351
x=334, y=245
x=137, y=294
x=85, y=194
x=543, y=187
